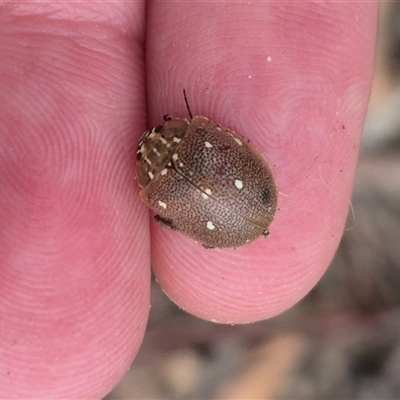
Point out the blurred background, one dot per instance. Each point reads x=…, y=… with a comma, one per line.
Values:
x=342, y=341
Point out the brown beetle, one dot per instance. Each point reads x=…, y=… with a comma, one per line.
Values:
x=206, y=181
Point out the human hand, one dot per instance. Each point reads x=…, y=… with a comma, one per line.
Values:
x=75, y=250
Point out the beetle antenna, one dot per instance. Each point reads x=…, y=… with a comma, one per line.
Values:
x=187, y=104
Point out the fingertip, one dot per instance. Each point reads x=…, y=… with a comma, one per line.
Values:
x=291, y=93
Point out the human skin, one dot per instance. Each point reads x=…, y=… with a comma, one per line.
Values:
x=80, y=82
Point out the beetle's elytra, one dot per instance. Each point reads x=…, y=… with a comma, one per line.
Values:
x=206, y=181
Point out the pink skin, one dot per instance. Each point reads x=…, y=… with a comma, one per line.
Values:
x=75, y=242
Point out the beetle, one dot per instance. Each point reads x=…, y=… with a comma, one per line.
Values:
x=206, y=181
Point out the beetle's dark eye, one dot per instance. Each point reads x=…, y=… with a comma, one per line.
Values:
x=158, y=128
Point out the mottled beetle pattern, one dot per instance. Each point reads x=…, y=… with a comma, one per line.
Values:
x=206, y=181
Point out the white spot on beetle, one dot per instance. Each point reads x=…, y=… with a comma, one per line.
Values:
x=208, y=145
x=163, y=141
x=238, y=183
x=181, y=164
x=176, y=140
x=150, y=174
x=210, y=226
x=164, y=171
x=162, y=204
x=208, y=191
x=218, y=128
x=175, y=157
x=156, y=151
x=205, y=196
x=238, y=141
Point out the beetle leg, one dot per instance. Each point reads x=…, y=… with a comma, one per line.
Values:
x=165, y=223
